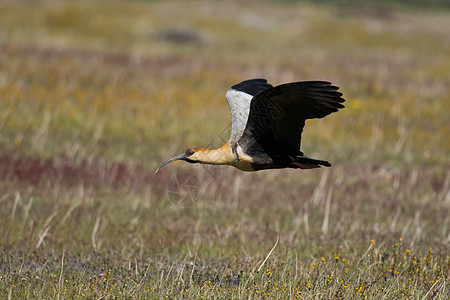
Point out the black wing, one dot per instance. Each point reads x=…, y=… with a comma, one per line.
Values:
x=277, y=115
x=252, y=86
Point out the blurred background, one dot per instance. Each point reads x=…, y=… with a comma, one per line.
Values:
x=94, y=95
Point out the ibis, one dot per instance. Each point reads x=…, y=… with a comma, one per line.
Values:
x=267, y=124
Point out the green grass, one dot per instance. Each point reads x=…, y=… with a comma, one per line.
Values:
x=93, y=98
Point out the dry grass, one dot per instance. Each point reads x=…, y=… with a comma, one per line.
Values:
x=93, y=97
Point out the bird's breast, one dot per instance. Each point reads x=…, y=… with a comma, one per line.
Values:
x=243, y=161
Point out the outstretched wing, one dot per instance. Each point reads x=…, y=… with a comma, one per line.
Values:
x=277, y=115
x=239, y=97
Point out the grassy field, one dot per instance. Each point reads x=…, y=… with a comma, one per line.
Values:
x=94, y=95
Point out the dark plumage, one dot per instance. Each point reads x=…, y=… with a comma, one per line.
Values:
x=277, y=117
x=252, y=86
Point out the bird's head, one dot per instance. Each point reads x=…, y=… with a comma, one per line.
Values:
x=191, y=155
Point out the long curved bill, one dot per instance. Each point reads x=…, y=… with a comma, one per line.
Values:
x=179, y=157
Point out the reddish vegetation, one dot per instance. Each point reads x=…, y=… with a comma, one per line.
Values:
x=37, y=171
x=15, y=167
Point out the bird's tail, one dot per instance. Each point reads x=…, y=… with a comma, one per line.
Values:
x=304, y=162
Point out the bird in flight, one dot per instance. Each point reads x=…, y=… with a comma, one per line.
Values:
x=267, y=124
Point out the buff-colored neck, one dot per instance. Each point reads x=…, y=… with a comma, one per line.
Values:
x=222, y=156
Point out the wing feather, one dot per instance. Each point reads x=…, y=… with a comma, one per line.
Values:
x=277, y=115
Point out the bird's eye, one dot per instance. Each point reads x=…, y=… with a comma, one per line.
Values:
x=189, y=152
